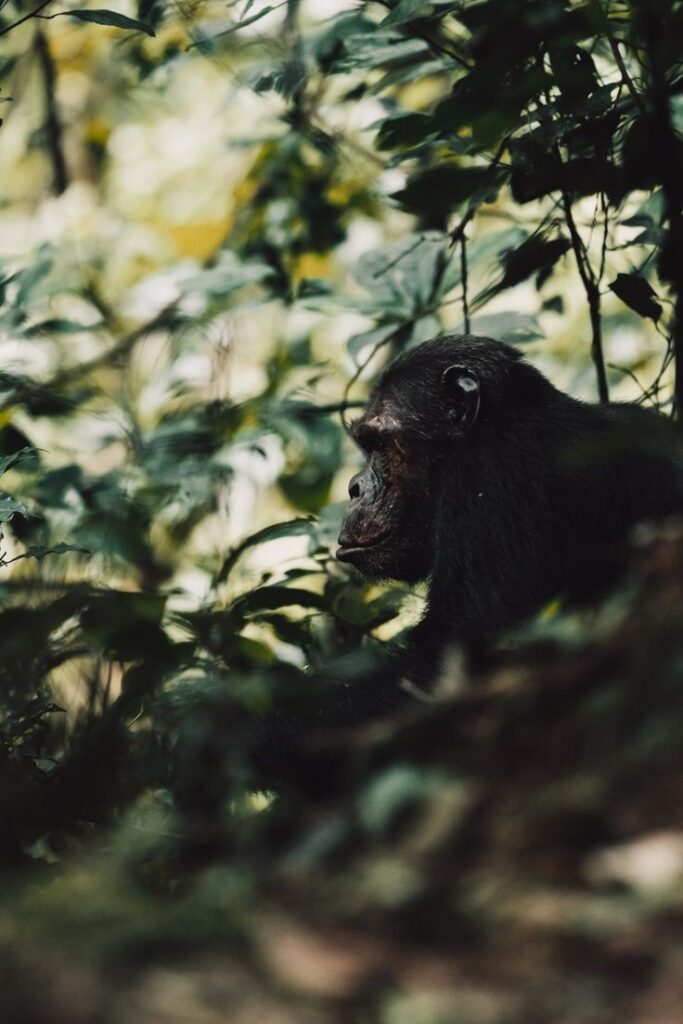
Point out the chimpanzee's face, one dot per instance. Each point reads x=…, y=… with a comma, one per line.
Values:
x=386, y=531
x=406, y=435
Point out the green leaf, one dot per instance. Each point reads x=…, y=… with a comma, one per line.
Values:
x=489, y=108
x=407, y=10
x=649, y=216
x=290, y=528
x=375, y=49
x=203, y=40
x=126, y=624
x=10, y=507
x=312, y=450
x=33, y=275
x=638, y=295
x=383, y=609
x=277, y=596
x=312, y=289
x=388, y=792
x=423, y=329
x=649, y=213
x=7, y=461
x=104, y=17
x=439, y=190
x=405, y=279
x=227, y=276
x=535, y=169
x=58, y=325
x=533, y=255
x=488, y=253
x=485, y=258
x=403, y=129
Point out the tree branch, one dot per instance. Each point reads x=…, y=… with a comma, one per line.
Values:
x=53, y=127
x=586, y=273
x=667, y=158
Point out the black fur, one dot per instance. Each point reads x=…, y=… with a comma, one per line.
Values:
x=530, y=496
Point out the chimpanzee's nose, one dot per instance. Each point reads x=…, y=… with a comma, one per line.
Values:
x=355, y=486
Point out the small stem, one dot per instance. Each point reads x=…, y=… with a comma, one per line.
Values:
x=605, y=233
x=459, y=230
x=463, y=278
x=592, y=294
x=345, y=403
x=625, y=77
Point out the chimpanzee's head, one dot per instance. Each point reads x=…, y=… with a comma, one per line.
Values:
x=429, y=401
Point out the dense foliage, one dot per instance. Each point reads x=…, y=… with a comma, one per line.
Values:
x=218, y=222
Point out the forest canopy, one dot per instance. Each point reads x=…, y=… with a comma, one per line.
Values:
x=218, y=222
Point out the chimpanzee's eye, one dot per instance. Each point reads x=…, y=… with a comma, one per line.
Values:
x=373, y=436
x=367, y=438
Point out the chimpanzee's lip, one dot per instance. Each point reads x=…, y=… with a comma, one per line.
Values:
x=346, y=552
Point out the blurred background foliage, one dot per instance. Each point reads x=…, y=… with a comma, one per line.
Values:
x=218, y=220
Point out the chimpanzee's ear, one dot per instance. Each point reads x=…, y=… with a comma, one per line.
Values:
x=463, y=394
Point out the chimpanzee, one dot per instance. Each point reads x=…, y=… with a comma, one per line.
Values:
x=499, y=490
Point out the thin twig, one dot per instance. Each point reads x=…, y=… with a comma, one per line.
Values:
x=228, y=31
x=26, y=17
x=394, y=262
x=458, y=231
x=651, y=392
x=583, y=265
x=625, y=77
x=605, y=232
x=345, y=403
x=592, y=293
x=644, y=392
x=463, y=279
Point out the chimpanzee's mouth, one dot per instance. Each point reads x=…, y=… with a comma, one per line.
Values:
x=347, y=552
